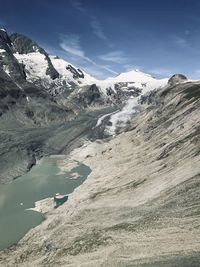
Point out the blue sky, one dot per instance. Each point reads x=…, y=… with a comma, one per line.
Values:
x=106, y=37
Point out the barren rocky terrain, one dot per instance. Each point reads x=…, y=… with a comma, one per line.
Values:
x=140, y=205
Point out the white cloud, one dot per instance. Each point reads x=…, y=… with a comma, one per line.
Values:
x=114, y=56
x=94, y=71
x=95, y=24
x=108, y=68
x=179, y=41
x=98, y=29
x=70, y=43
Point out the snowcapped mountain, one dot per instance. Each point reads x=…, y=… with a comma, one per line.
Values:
x=134, y=78
x=36, y=67
x=24, y=58
x=52, y=72
x=70, y=77
x=130, y=83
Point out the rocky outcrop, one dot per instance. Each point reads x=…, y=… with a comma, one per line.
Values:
x=4, y=38
x=121, y=93
x=177, y=78
x=77, y=73
x=88, y=96
x=8, y=62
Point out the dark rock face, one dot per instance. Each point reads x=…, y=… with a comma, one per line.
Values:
x=121, y=94
x=77, y=73
x=177, y=78
x=10, y=93
x=93, y=94
x=24, y=45
x=148, y=98
x=88, y=96
x=4, y=38
x=7, y=60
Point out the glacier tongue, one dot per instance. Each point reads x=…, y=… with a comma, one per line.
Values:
x=120, y=118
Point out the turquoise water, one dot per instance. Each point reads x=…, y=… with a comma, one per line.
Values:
x=44, y=180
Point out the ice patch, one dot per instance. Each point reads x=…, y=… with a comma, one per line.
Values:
x=6, y=69
x=100, y=120
x=120, y=118
x=35, y=65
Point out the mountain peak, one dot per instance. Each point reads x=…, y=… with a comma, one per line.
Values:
x=3, y=29
x=4, y=38
x=134, y=75
x=23, y=44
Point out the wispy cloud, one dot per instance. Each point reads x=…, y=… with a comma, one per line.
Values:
x=179, y=41
x=94, y=71
x=98, y=29
x=70, y=43
x=96, y=25
x=77, y=4
x=109, y=69
x=162, y=71
x=114, y=56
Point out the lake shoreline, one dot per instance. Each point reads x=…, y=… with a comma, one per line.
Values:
x=31, y=197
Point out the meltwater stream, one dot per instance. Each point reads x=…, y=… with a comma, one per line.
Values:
x=43, y=181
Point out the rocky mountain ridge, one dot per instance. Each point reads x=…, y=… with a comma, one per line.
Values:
x=60, y=78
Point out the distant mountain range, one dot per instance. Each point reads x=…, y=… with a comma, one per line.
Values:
x=22, y=59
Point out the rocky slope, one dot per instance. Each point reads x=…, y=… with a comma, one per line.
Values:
x=140, y=205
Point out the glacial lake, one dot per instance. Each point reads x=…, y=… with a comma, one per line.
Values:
x=42, y=181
